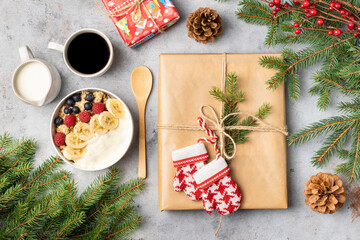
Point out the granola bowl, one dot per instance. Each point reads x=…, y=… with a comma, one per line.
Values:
x=91, y=129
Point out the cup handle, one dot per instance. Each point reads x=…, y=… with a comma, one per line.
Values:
x=25, y=53
x=56, y=46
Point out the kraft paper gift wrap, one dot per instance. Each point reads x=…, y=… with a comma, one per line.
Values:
x=259, y=167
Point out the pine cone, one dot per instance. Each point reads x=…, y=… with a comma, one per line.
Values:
x=204, y=25
x=324, y=193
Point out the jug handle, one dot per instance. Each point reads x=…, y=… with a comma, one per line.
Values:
x=56, y=46
x=25, y=54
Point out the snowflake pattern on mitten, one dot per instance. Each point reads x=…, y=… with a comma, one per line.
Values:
x=223, y=195
x=187, y=161
x=220, y=192
x=184, y=181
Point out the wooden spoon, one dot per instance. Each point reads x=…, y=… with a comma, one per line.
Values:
x=141, y=84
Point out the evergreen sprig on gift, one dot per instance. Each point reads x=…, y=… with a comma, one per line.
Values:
x=44, y=203
x=330, y=32
x=231, y=97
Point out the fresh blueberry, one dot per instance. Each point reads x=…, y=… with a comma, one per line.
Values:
x=87, y=106
x=58, y=121
x=89, y=97
x=76, y=97
x=67, y=110
x=70, y=102
x=76, y=109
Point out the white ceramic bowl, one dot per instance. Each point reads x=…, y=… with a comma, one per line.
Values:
x=53, y=128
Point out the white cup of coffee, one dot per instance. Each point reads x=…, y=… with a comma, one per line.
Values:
x=87, y=52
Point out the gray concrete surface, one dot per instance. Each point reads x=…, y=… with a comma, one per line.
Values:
x=36, y=22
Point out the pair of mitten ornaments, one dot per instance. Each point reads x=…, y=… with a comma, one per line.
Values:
x=209, y=182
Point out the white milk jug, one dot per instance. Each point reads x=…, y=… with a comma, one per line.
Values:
x=35, y=81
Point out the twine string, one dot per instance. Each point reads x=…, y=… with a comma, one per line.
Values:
x=219, y=226
x=218, y=125
x=221, y=123
x=135, y=7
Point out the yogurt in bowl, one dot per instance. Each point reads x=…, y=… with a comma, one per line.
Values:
x=91, y=129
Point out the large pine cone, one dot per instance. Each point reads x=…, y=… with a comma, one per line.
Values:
x=324, y=193
x=204, y=25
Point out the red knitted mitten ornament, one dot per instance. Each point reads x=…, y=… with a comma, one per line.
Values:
x=187, y=161
x=220, y=192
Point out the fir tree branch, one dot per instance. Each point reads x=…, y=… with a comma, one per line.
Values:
x=57, y=159
x=97, y=226
x=356, y=154
x=118, y=220
x=274, y=83
x=113, y=174
x=231, y=97
x=325, y=153
x=58, y=197
x=336, y=84
x=71, y=221
x=21, y=156
x=90, y=197
x=50, y=182
x=72, y=194
x=319, y=128
x=122, y=206
x=24, y=223
x=218, y=94
x=27, y=200
x=8, y=153
x=4, y=139
x=123, y=229
x=140, y=185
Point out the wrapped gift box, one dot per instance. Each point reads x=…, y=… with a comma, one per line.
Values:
x=136, y=32
x=259, y=167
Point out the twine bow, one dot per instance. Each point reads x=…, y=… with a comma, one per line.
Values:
x=218, y=125
x=135, y=6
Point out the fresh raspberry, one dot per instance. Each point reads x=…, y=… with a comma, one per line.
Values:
x=70, y=120
x=98, y=108
x=59, y=139
x=85, y=116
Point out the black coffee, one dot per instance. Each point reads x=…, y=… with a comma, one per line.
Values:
x=88, y=53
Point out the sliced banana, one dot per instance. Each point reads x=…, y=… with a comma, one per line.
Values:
x=96, y=127
x=107, y=120
x=73, y=153
x=72, y=140
x=116, y=108
x=83, y=131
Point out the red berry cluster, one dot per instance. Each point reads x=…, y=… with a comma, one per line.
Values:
x=311, y=11
x=278, y=6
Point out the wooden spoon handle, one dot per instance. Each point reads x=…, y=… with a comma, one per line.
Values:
x=142, y=141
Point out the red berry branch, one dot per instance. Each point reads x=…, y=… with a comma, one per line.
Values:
x=325, y=13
